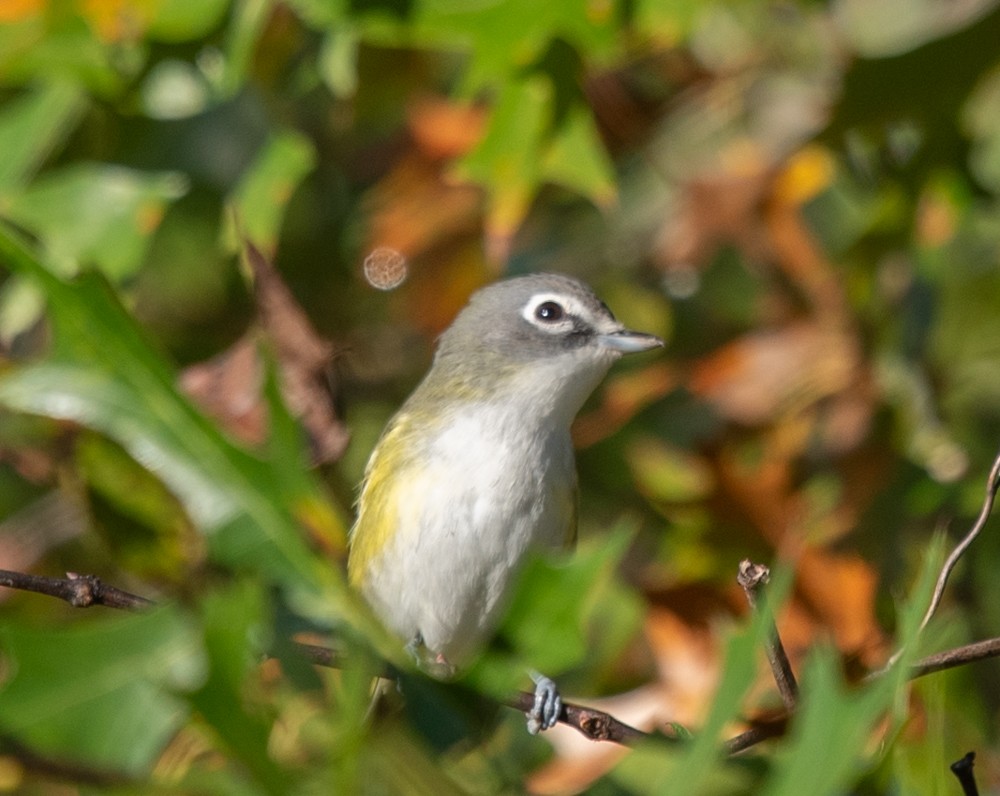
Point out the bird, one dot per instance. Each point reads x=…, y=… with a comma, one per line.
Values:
x=476, y=471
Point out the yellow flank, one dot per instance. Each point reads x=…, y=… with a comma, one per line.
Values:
x=378, y=512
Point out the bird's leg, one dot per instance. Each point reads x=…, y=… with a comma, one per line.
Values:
x=548, y=704
x=416, y=648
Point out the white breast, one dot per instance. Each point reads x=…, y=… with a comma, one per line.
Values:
x=490, y=490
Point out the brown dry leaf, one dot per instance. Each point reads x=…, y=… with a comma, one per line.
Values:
x=764, y=375
x=442, y=286
x=623, y=397
x=808, y=376
x=433, y=223
x=840, y=589
x=229, y=386
x=442, y=129
x=415, y=208
x=761, y=486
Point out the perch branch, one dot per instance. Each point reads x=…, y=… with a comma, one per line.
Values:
x=83, y=591
x=595, y=724
x=992, y=484
x=87, y=590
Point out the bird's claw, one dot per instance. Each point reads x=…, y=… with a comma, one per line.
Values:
x=547, y=706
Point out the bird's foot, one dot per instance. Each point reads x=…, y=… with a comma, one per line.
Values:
x=548, y=704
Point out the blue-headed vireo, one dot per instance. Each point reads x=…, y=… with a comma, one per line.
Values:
x=477, y=468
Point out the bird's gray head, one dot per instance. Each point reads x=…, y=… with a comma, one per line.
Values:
x=540, y=316
x=546, y=328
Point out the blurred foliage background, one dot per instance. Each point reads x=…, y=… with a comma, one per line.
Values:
x=802, y=197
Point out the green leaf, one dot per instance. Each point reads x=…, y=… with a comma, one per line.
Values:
x=830, y=732
x=550, y=615
x=100, y=693
x=529, y=141
x=234, y=625
x=182, y=20
x=104, y=375
x=63, y=47
x=150, y=534
x=338, y=61
x=31, y=127
x=260, y=198
x=506, y=159
x=96, y=214
x=245, y=27
x=500, y=37
x=696, y=767
x=575, y=157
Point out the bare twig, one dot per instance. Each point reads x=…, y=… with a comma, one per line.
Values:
x=959, y=656
x=751, y=577
x=80, y=591
x=962, y=769
x=760, y=731
x=992, y=484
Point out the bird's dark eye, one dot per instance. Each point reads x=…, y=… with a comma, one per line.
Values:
x=549, y=311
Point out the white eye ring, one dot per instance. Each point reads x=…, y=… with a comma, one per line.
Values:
x=552, y=312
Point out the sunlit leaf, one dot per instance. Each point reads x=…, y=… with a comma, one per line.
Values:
x=260, y=199
x=506, y=159
x=576, y=158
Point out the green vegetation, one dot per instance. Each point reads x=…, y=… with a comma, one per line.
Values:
x=801, y=198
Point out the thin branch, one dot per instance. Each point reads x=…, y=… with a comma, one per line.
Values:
x=959, y=656
x=80, y=591
x=319, y=656
x=751, y=578
x=992, y=484
x=759, y=732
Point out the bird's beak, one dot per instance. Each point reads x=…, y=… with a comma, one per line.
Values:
x=629, y=342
